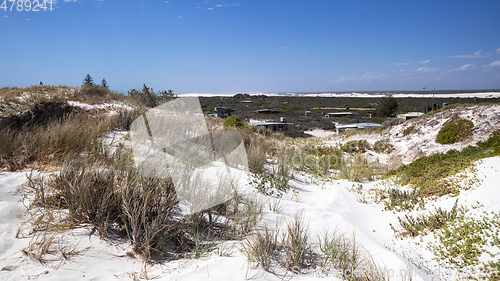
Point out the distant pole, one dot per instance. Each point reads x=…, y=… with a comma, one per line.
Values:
x=433, y=92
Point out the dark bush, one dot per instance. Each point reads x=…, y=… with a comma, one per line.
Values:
x=387, y=106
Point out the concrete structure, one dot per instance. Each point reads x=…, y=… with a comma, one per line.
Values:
x=409, y=115
x=342, y=114
x=356, y=126
x=274, y=126
x=268, y=111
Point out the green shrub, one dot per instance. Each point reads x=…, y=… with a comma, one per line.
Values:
x=400, y=200
x=426, y=174
x=421, y=224
x=233, y=121
x=466, y=239
x=455, y=131
x=357, y=168
x=270, y=185
x=148, y=97
x=355, y=146
x=382, y=146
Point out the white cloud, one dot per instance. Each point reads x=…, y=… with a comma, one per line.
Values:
x=425, y=61
x=227, y=5
x=464, y=67
x=427, y=69
x=498, y=51
x=69, y=0
x=364, y=77
x=493, y=64
x=400, y=63
x=477, y=54
x=210, y=9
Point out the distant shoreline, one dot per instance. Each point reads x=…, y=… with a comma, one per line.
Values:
x=396, y=94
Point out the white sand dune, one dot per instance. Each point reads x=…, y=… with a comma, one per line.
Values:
x=326, y=206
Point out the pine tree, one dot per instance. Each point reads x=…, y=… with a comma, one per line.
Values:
x=165, y=96
x=88, y=80
x=104, y=84
x=387, y=106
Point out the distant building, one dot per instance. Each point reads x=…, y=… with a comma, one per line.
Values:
x=356, y=126
x=409, y=115
x=342, y=114
x=268, y=111
x=223, y=112
x=274, y=126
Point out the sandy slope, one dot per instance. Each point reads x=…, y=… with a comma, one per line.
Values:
x=416, y=138
x=325, y=205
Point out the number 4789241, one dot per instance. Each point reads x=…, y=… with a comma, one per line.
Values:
x=26, y=5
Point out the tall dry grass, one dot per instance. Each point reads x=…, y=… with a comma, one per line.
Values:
x=56, y=141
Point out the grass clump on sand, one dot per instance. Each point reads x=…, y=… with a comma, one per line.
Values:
x=455, y=131
x=109, y=193
x=262, y=247
x=38, y=125
x=414, y=226
x=343, y=253
x=54, y=140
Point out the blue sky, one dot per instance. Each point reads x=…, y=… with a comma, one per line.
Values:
x=220, y=46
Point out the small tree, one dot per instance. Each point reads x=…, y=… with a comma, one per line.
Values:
x=165, y=96
x=387, y=106
x=147, y=96
x=104, y=84
x=88, y=80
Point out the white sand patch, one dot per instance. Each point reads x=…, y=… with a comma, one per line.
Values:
x=321, y=133
x=111, y=107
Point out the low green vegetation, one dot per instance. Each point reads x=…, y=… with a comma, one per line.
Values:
x=270, y=185
x=232, y=121
x=148, y=97
x=463, y=241
x=455, y=131
x=355, y=146
x=399, y=200
x=382, y=146
x=420, y=225
x=426, y=174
